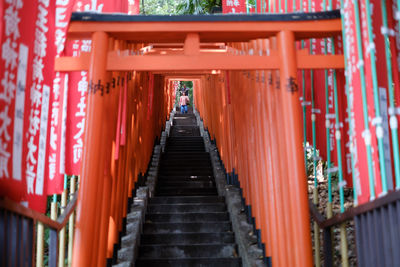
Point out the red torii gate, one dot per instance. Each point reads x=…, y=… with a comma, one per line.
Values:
x=194, y=56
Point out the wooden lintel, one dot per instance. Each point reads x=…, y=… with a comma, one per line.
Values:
x=320, y=61
x=73, y=63
x=202, y=62
x=193, y=62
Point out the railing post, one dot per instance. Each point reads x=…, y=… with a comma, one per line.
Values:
x=39, y=244
x=328, y=249
x=292, y=120
x=88, y=197
x=53, y=245
x=71, y=224
x=61, y=258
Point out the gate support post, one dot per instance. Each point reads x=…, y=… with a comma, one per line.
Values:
x=89, y=201
x=292, y=119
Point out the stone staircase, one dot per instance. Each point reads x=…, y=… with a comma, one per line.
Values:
x=186, y=222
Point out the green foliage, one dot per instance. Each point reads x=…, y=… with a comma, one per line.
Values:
x=160, y=7
x=178, y=7
x=251, y=3
x=198, y=6
x=309, y=159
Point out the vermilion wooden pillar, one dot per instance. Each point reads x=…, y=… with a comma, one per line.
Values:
x=88, y=202
x=282, y=233
x=108, y=127
x=291, y=116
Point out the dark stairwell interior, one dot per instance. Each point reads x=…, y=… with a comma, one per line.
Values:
x=187, y=223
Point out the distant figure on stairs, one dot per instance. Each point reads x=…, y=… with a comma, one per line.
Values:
x=183, y=101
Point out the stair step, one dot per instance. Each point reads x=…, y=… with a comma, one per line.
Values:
x=191, y=207
x=190, y=199
x=185, y=251
x=187, y=217
x=187, y=238
x=171, y=147
x=199, y=143
x=188, y=169
x=185, y=149
x=179, y=191
x=190, y=262
x=185, y=138
x=187, y=162
x=193, y=183
x=184, y=144
x=163, y=228
x=190, y=155
x=186, y=178
x=186, y=172
x=197, y=140
x=187, y=155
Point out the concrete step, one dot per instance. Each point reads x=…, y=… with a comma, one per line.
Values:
x=187, y=238
x=172, y=155
x=187, y=217
x=191, y=207
x=185, y=251
x=185, y=138
x=185, y=143
x=185, y=149
x=190, y=199
x=187, y=162
x=184, y=178
x=181, y=191
x=189, y=262
x=188, y=172
x=204, y=227
x=179, y=142
x=185, y=131
x=193, y=183
x=186, y=168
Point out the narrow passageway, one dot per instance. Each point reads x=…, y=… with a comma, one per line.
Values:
x=187, y=223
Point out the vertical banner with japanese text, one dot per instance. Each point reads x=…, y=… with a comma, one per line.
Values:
x=38, y=110
x=55, y=164
x=17, y=28
x=78, y=85
x=27, y=66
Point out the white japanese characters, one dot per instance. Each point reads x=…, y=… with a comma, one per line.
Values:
x=8, y=78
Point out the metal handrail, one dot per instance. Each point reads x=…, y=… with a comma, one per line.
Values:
x=58, y=224
x=351, y=212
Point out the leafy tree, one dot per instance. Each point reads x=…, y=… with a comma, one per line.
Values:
x=198, y=6
x=160, y=7
x=178, y=7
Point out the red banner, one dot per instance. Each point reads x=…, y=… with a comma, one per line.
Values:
x=55, y=162
x=17, y=28
x=357, y=145
x=78, y=84
x=41, y=97
x=234, y=6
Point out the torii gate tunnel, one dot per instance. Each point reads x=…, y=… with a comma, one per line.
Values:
x=114, y=37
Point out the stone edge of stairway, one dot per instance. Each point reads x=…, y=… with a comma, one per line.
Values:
x=135, y=218
x=244, y=235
